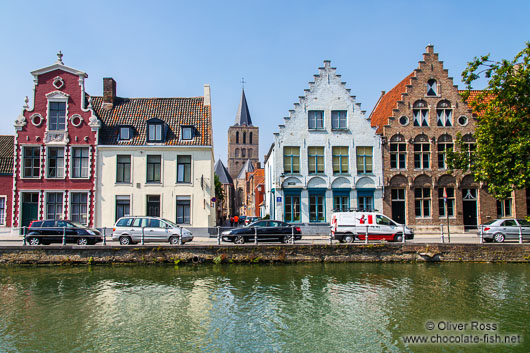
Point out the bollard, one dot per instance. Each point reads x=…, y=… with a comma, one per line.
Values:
x=24, y=234
x=104, y=236
x=481, y=234
x=520, y=234
x=180, y=235
x=366, y=235
x=330, y=237
x=442, y=233
x=403, y=237
x=292, y=235
x=218, y=235
x=255, y=236
x=143, y=235
x=64, y=236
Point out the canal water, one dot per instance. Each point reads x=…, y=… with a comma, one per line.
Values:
x=263, y=308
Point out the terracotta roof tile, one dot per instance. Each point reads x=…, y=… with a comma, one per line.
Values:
x=6, y=154
x=472, y=96
x=388, y=102
x=135, y=112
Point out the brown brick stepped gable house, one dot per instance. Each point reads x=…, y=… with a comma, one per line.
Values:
x=419, y=120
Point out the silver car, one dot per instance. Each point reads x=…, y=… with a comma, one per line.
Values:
x=499, y=230
x=128, y=230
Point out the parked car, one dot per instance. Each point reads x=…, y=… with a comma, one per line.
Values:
x=242, y=220
x=128, y=230
x=44, y=232
x=266, y=230
x=251, y=219
x=499, y=230
x=348, y=226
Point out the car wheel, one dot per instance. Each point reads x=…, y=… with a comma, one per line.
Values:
x=398, y=238
x=487, y=240
x=34, y=241
x=287, y=239
x=348, y=238
x=174, y=241
x=125, y=240
x=239, y=240
x=499, y=237
x=82, y=241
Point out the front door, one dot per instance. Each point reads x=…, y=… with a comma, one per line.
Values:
x=469, y=207
x=30, y=208
x=398, y=205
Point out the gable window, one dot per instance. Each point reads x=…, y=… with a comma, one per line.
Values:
x=125, y=133
x=31, y=156
x=80, y=162
x=432, y=87
x=338, y=119
x=78, y=208
x=444, y=114
x=57, y=115
x=153, y=168
x=340, y=159
x=445, y=145
x=315, y=160
x=422, y=152
x=187, y=132
x=364, y=160
x=54, y=205
x=123, y=169
x=316, y=119
x=154, y=132
x=55, y=162
x=291, y=160
x=422, y=199
x=183, y=169
x=398, y=152
x=421, y=113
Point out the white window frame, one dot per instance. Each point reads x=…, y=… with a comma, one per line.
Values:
x=48, y=160
x=87, y=203
x=57, y=97
x=184, y=198
x=22, y=147
x=45, y=201
x=5, y=210
x=71, y=162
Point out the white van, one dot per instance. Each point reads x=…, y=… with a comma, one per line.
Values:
x=348, y=226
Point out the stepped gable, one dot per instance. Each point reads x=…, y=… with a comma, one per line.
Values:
x=135, y=112
x=388, y=102
x=243, y=114
x=221, y=171
x=6, y=154
x=247, y=167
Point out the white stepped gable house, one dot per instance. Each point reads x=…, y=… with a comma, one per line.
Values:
x=155, y=158
x=326, y=156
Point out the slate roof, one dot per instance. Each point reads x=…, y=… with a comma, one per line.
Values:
x=135, y=112
x=247, y=167
x=387, y=102
x=243, y=114
x=221, y=171
x=6, y=154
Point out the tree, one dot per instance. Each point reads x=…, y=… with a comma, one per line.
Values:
x=219, y=192
x=502, y=156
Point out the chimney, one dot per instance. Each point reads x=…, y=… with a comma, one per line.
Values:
x=207, y=100
x=109, y=92
x=430, y=49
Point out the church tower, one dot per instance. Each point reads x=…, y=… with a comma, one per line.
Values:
x=243, y=140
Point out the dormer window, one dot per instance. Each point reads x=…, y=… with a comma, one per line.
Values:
x=57, y=116
x=187, y=132
x=154, y=131
x=432, y=88
x=125, y=133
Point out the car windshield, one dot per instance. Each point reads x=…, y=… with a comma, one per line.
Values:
x=77, y=225
x=170, y=223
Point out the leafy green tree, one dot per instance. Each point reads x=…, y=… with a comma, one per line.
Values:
x=219, y=192
x=502, y=156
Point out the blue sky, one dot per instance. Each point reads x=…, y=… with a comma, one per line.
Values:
x=172, y=48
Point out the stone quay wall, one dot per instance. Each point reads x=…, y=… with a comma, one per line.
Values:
x=48, y=255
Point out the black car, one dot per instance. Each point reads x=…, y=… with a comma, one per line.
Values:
x=52, y=231
x=266, y=230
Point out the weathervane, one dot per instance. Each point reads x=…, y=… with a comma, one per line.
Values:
x=60, y=58
x=243, y=82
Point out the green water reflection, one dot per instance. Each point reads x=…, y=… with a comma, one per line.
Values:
x=256, y=308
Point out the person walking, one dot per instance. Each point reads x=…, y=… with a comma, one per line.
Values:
x=236, y=220
x=232, y=221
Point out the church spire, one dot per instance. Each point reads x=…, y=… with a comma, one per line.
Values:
x=243, y=114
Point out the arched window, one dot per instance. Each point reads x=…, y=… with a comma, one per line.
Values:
x=250, y=140
x=243, y=152
x=422, y=152
x=444, y=114
x=432, y=87
x=237, y=136
x=421, y=113
x=398, y=152
x=244, y=138
x=237, y=152
x=250, y=152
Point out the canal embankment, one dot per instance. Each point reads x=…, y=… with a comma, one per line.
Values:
x=273, y=253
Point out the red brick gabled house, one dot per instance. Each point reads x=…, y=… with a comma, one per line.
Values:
x=419, y=120
x=55, y=150
x=6, y=179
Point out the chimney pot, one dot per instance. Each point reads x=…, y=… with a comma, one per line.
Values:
x=109, y=92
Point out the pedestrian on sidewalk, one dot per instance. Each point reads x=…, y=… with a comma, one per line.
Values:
x=236, y=220
x=232, y=221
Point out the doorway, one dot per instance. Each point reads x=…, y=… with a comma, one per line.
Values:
x=30, y=208
x=398, y=205
x=469, y=208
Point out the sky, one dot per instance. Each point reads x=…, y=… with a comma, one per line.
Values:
x=173, y=48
